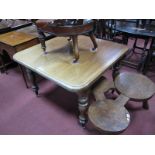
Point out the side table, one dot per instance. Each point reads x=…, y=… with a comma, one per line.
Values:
x=13, y=42
x=136, y=87
x=108, y=115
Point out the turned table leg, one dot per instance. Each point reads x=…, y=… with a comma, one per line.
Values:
x=32, y=78
x=83, y=107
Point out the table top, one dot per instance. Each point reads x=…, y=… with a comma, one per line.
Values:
x=57, y=65
x=66, y=27
x=33, y=31
x=109, y=115
x=29, y=30
x=135, y=86
x=15, y=38
x=143, y=32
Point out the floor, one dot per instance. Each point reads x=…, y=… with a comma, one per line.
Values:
x=55, y=111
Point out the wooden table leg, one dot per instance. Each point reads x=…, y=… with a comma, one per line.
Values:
x=42, y=41
x=32, y=78
x=4, y=69
x=83, y=107
x=92, y=37
x=21, y=69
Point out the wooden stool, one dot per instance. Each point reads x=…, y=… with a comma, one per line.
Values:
x=13, y=42
x=106, y=114
x=135, y=86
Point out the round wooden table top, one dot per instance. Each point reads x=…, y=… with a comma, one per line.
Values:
x=135, y=86
x=65, y=27
x=109, y=116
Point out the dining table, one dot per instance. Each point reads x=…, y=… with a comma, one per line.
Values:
x=57, y=66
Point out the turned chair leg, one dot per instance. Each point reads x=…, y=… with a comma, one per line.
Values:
x=145, y=105
x=75, y=49
x=92, y=37
x=42, y=40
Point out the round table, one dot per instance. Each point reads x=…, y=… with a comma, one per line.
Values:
x=142, y=33
x=135, y=86
x=106, y=114
x=67, y=28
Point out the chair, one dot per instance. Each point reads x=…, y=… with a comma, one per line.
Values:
x=104, y=29
x=149, y=46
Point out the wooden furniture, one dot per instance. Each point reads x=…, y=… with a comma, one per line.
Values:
x=33, y=31
x=118, y=36
x=67, y=28
x=135, y=86
x=106, y=114
x=13, y=42
x=142, y=33
x=151, y=58
x=110, y=115
x=57, y=65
